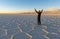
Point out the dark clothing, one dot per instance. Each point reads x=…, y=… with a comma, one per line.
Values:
x=39, y=19
x=39, y=16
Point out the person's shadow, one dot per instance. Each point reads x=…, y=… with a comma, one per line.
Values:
x=39, y=16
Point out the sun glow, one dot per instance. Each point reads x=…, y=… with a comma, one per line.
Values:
x=8, y=12
x=52, y=9
x=14, y=11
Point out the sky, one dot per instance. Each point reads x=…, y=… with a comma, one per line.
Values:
x=15, y=6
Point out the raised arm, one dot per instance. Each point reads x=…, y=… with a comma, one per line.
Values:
x=36, y=11
x=41, y=10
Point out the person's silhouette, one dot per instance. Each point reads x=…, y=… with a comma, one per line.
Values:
x=39, y=16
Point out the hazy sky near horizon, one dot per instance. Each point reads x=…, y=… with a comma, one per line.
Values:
x=23, y=5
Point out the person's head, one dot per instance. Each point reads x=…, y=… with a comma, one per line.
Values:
x=39, y=11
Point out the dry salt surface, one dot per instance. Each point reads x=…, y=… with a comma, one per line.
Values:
x=26, y=27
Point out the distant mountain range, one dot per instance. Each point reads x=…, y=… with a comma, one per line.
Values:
x=53, y=11
x=47, y=12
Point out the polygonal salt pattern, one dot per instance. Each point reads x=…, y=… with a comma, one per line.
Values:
x=26, y=27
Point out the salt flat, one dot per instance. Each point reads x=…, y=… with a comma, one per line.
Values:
x=26, y=27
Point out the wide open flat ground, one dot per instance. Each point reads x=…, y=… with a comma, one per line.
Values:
x=25, y=27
